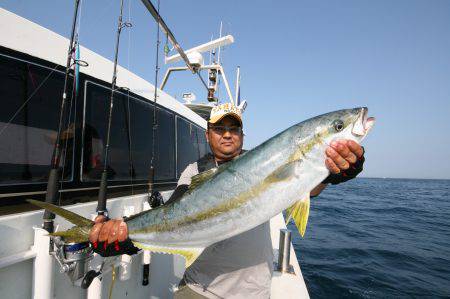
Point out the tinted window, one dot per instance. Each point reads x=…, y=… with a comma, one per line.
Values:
x=142, y=142
x=31, y=98
x=187, y=144
x=95, y=129
x=141, y=116
x=203, y=146
x=165, y=146
x=130, y=148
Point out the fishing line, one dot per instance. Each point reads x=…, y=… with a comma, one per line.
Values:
x=68, y=130
x=52, y=183
x=130, y=154
x=101, y=206
x=113, y=281
x=128, y=98
x=26, y=102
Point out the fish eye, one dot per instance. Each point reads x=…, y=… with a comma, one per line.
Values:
x=338, y=125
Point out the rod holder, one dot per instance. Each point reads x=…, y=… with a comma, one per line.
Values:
x=284, y=253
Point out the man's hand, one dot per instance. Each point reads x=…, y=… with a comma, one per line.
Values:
x=108, y=231
x=341, y=154
x=344, y=161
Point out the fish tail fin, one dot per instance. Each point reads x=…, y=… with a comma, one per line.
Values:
x=299, y=211
x=78, y=233
x=68, y=215
x=189, y=254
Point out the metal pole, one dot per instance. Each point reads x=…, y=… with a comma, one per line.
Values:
x=238, y=79
x=284, y=250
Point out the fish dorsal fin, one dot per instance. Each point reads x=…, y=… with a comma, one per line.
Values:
x=199, y=179
x=299, y=211
x=189, y=254
x=68, y=215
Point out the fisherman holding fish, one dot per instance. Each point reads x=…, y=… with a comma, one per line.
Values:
x=240, y=266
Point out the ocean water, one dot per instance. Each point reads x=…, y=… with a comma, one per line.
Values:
x=378, y=238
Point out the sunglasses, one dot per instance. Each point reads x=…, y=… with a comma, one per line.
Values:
x=222, y=129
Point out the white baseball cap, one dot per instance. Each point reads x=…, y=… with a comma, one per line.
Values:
x=220, y=111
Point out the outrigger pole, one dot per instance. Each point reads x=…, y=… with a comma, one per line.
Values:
x=154, y=12
x=101, y=203
x=52, y=183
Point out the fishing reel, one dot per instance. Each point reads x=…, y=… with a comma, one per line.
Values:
x=72, y=258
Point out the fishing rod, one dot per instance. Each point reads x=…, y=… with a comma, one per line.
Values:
x=101, y=203
x=155, y=120
x=52, y=183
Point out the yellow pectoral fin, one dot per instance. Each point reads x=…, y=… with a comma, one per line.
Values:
x=190, y=254
x=299, y=211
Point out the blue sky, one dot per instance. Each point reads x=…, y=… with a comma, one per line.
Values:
x=299, y=59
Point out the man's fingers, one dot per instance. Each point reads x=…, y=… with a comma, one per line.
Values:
x=123, y=231
x=332, y=166
x=114, y=231
x=345, y=152
x=104, y=233
x=93, y=235
x=100, y=219
x=340, y=162
x=355, y=148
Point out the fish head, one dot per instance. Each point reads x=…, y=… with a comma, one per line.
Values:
x=351, y=124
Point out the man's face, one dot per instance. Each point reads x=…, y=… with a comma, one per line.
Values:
x=225, y=138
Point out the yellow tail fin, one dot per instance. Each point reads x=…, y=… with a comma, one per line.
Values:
x=299, y=211
x=78, y=233
x=189, y=254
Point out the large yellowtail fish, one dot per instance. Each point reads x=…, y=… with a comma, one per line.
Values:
x=242, y=194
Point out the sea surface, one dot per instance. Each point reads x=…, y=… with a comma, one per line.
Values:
x=378, y=238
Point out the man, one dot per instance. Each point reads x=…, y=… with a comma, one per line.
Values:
x=241, y=266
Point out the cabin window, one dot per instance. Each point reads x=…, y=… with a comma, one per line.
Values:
x=94, y=135
x=203, y=146
x=165, y=146
x=131, y=137
x=187, y=144
x=141, y=119
x=31, y=97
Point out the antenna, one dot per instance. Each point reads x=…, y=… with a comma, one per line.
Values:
x=211, y=51
x=220, y=35
x=237, y=90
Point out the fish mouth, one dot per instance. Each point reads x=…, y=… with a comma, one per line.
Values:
x=363, y=123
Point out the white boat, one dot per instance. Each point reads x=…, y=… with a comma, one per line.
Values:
x=33, y=58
